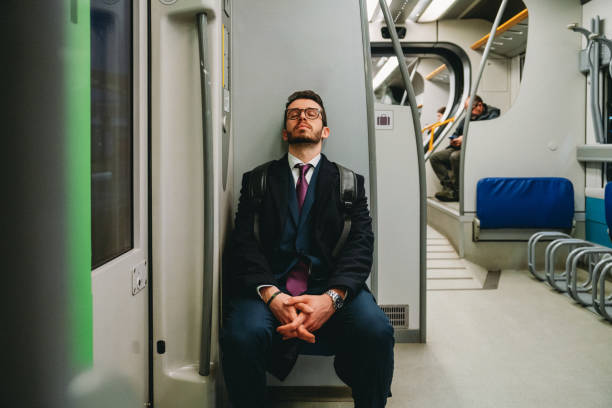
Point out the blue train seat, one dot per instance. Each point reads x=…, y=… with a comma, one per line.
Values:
x=522, y=205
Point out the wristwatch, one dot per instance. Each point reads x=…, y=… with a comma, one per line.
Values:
x=337, y=300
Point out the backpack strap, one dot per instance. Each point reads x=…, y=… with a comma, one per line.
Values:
x=257, y=185
x=348, y=194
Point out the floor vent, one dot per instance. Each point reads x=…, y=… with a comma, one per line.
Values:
x=397, y=314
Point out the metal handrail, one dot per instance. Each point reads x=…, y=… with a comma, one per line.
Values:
x=208, y=168
x=502, y=28
x=594, y=73
x=466, y=121
x=449, y=130
x=420, y=159
x=432, y=128
x=607, y=42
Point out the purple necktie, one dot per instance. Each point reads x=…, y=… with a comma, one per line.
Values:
x=297, y=280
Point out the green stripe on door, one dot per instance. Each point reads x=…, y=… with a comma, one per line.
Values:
x=78, y=177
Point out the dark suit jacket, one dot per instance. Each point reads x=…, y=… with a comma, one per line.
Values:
x=249, y=261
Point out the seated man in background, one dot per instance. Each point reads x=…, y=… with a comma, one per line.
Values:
x=445, y=163
x=287, y=287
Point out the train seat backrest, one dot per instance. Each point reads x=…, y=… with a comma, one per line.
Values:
x=520, y=202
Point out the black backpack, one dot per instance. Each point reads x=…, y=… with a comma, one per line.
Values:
x=257, y=185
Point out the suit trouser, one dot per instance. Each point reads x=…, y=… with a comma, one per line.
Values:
x=360, y=335
x=444, y=162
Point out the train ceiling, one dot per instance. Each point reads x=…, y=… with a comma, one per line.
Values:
x=461, y=9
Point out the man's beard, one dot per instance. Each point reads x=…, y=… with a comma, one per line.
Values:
x=291, y=139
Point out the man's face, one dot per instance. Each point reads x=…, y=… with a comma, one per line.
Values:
x=477, y=109
x=302, y=129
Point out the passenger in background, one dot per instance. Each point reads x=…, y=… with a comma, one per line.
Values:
x=440, y=113
x=286, y=288
x=445, y=163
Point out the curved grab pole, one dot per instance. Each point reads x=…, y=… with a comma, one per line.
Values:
x=468, y=111
x=608, y=43
x=207, y=289
x=594, y=73
x=416, y=121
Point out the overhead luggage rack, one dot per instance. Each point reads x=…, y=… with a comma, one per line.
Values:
x=510, y=38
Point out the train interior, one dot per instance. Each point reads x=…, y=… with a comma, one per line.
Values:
x=500, y=297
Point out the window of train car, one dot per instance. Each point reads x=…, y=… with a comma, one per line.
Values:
x=111, y=130
x=431, y=81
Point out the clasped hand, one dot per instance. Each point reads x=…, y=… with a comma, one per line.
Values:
x=301, y=315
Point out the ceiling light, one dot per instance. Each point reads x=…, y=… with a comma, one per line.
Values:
x=384, y=72
x=435, y=10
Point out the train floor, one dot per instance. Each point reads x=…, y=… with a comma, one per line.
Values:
x=516, y=343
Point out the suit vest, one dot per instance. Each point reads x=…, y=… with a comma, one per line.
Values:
x=295, y=243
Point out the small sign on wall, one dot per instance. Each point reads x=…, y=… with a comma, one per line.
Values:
x=384, y=120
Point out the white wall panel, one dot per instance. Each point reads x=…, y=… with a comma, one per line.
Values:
x=178, y=197
x=321, y=50
x=435, y=94
x=538, y=135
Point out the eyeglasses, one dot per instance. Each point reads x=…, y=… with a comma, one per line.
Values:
x=310, y=113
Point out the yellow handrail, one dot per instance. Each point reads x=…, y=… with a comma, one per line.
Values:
x=432, y=128
x=435, y=72
x=504, y=27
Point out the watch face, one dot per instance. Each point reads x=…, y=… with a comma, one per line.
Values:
x=339, y=302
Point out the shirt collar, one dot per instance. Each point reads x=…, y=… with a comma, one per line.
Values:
x=294, y=160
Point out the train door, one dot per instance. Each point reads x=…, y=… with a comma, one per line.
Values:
x=119, y=192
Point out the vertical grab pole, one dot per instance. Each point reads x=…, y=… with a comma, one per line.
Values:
x=594, y=74
x=207, y=292
x=416, y=121
x=468, y=111
x=594, y=68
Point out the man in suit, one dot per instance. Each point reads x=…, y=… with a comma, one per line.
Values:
x=285, y=288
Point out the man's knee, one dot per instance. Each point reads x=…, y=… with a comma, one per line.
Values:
x=455, y=157
x=437, y=157
x=247, y=330
x=371, y=325
x=375, y=330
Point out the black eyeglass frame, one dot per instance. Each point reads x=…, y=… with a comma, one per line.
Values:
x=291, y=113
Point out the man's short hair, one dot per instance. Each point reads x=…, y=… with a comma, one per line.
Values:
x=442, y=110
x=477, y=99
x=307, y=94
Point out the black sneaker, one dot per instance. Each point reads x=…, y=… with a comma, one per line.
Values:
x=447, y=196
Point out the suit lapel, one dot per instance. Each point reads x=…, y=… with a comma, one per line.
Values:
x=292, y=198
x=279, y=178
x=324, y=187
